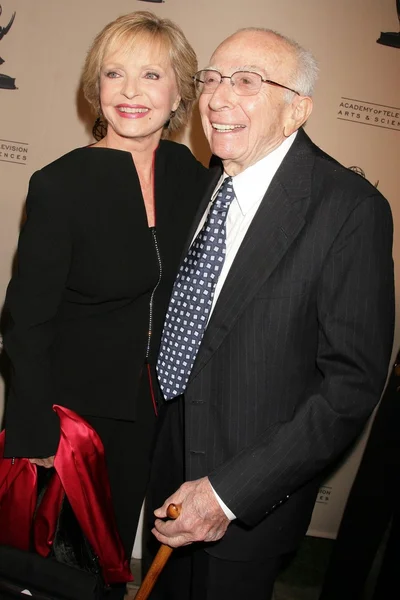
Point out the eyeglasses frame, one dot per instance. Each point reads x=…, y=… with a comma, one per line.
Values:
x=269, y=81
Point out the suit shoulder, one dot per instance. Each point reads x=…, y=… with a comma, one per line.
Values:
x=346, y=186
x=340, y=176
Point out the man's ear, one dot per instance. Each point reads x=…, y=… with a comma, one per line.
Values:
x=300, y=109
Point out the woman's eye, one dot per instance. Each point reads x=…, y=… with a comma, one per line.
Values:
x=112, y=74
x=152, y=75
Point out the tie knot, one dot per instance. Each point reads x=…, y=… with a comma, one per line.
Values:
x=225, y=194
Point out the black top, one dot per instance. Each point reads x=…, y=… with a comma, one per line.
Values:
x=88, y=267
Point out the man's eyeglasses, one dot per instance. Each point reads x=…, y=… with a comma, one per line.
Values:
x=244, y=83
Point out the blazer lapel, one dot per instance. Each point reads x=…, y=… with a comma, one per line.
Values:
x=274, y=228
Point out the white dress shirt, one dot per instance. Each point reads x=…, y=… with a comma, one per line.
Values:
x=250, y=187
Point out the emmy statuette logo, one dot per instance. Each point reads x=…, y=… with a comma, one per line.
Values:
x=391, y=38
x=6, y=82
x=361, y=172
x=11, y=151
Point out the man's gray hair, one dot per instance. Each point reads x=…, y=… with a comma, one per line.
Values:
x=305, y=75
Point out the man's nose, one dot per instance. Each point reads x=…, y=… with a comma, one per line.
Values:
x=223, y=95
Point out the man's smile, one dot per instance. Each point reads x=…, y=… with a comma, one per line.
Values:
x=221, y=127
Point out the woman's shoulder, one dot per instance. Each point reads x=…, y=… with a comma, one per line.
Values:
x=85, y=164
x=180, y=164
x=73, y=161
x=179, y=152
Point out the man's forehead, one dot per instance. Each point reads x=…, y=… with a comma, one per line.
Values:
x=251, y=50
x=238, y=66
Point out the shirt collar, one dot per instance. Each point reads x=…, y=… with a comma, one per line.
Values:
x=251, y=184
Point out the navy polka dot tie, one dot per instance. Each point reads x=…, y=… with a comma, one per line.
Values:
x=192, y=297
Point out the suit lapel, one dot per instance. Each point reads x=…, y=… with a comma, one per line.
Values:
x=275, y=226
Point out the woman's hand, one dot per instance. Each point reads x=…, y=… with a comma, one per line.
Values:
x=43, y=462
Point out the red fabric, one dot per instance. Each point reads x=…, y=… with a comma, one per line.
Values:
x=153, y=399
x=81, y=467
x=80, y=472
x=18, y=498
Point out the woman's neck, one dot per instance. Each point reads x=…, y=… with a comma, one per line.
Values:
x=141, y=149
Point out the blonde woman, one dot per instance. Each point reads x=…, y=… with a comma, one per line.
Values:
x=97, y=258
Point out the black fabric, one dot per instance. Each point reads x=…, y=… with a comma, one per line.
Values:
x=295, y=354
x=167, y=472
x=192, y=574
x=45, y=578
x=70, y=546
x=124, y=442
x=168, y=469
x=372, y=507
x=388, y=579
x=78, y=304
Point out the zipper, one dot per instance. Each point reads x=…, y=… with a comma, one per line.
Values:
x=150, y=329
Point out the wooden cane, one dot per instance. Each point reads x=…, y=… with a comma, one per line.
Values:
x=163, y=554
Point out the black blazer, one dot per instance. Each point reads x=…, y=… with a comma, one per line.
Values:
x=296, y=352
x=79, y=301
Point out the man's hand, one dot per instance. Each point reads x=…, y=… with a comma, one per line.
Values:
x=201, y=518
x=43, y=462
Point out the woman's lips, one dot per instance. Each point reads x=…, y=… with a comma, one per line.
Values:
x=127, y=111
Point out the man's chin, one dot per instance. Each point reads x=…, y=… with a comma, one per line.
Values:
x=223, y=152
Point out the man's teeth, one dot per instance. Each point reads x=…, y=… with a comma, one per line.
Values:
x=127, y=109
x=220, y=127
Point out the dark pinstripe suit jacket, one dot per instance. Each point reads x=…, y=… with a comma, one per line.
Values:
x=296, y=353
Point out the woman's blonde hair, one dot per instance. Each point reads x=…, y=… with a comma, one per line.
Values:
x=125, y=31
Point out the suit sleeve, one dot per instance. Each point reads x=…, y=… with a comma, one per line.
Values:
x=33, y=298
x=355, y=328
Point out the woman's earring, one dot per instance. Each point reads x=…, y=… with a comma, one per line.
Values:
x=171, y=116
x=99, y=130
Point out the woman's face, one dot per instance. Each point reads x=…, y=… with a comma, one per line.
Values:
x=138, y=91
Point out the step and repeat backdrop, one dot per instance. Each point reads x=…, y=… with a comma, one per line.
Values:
x=356, y=114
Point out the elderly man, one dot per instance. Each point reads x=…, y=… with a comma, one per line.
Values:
x=277, y=339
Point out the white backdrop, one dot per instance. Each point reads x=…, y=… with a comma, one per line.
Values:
x=45, y=116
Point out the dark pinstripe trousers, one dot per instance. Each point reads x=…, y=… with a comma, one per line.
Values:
x=192, y=573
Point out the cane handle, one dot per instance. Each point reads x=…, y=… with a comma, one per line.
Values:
x=173, y=511
x=163, y=554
